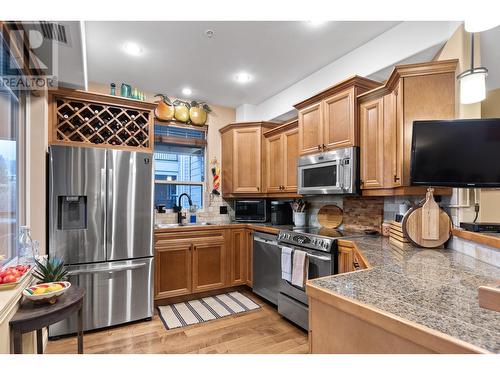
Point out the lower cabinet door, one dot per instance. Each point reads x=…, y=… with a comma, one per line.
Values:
x=209, y=266
x=173, y=270
x=249, y=273
x=345, y=259
x=238, y=256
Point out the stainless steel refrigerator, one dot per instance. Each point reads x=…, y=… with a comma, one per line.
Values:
x=101, y=225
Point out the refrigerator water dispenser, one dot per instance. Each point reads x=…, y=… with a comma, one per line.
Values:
x=72, y=212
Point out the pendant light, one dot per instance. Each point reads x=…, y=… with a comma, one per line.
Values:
x=472, y=81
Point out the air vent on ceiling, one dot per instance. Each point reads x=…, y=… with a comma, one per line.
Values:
x=54, y=31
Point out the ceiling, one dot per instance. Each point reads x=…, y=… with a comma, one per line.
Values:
x=179, y=54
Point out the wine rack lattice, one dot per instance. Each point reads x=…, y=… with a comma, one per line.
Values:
x=101, y=124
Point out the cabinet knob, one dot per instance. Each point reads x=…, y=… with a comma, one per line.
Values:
x=396, y=178
x=319, y=147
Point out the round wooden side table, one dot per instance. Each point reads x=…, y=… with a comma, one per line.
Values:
x=31, y=317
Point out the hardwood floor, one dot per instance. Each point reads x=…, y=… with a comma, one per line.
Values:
x=259, y=331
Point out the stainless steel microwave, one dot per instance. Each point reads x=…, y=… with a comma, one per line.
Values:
x=332, y=172
x=252, y=210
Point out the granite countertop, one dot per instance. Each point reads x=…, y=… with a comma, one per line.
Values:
x=434, y=288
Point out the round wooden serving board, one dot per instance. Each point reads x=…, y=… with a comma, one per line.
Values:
x=412, y=228
x=330, y=216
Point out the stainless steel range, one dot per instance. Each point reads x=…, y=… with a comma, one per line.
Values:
x=322, y=251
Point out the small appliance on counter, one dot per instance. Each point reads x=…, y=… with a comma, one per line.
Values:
x=281, y=213
x=252, y=210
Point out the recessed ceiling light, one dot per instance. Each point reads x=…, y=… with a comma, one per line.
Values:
x=243, y=77
x=187, y=91
x=209, y=33
x=316, y=23
x=132, y=48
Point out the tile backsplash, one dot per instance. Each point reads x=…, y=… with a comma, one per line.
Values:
x=210, y=213
x=363, y=213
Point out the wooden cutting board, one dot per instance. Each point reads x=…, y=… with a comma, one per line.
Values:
x=330, y=216
x=412, y=228
x=430, y=217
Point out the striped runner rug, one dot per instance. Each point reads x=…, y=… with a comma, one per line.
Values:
x=205, y=309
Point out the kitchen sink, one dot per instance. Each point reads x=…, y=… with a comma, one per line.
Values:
x=164, y=226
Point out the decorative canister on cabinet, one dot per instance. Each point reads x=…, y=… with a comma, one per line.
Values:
x=181, y=110
x=198, y=112
x=164, y=110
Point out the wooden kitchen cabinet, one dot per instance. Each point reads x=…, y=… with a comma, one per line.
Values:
x=339, y=115
x=310, y=129
x=249, y=264
x=346, y=257
x=423, y=91
x=281, y=153
x=172, y=269
x=238, y=257
x=189, y=262
x=242, y=158
x=350, y=258
x=87, y=119
x=209, y=265
x=329, y=120
x=372, y=143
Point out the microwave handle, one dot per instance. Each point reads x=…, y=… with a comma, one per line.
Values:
x=343, y=174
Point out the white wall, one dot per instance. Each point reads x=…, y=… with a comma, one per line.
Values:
x=397, y=44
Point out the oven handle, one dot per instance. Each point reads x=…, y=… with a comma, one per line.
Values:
x=318, y=257
x=309, y=255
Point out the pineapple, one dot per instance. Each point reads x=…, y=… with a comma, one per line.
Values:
x=53, y=270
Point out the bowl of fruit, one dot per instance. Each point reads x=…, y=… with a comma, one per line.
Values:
x=46, y=292
x=12, y=276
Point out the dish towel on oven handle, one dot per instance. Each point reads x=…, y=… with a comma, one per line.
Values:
x=300, y=268
x=286, y=263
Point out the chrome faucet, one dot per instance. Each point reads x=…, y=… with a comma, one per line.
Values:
x=178, y=208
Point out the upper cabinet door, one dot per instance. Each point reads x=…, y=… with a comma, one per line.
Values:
x=339, y=128
x=291, y=153
x=274, y=163
x=247, y=160
x=310, y=129
x=372, y=143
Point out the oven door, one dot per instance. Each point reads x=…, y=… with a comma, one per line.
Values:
x=320, y=178
x=320, y=265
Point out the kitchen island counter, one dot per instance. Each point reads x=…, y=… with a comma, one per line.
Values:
x=426, y=297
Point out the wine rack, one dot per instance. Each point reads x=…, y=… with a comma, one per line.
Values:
x=102, y=122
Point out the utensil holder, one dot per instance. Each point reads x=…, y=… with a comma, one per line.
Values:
x=299, y=219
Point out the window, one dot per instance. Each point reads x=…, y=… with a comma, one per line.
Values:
x=12, y=150
x=179, y=165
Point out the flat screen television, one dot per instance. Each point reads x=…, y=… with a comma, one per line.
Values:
x=456, y=153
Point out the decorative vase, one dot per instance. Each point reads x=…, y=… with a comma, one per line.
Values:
x=164, y=112
x=198, y=115
x=126, y=90
x=181, y=113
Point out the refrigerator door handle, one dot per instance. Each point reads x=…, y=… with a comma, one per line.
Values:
x=107, y=270
x=103, y=206
x=109, y=212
